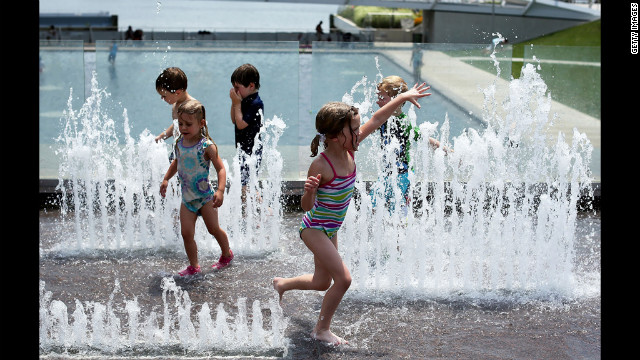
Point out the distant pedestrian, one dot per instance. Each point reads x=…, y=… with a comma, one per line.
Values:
x=319, y=32
x=113, y=53
x=52, y=33
x=129, y=34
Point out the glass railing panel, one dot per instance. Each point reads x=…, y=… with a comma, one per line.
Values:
x=572, y=75
x=61, y=82
x=130, y=80
x=471, y=77
x=351, y=71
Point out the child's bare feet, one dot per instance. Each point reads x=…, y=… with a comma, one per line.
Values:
x=328, y=337
x=277, y=287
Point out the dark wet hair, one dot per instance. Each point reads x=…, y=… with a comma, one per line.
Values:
x=172, y=79
x=246, y=74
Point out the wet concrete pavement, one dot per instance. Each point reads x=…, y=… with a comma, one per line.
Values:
x=380, y=326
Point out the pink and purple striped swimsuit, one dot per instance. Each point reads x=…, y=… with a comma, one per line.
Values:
x=332, y=202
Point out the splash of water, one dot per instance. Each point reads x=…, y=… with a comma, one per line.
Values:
x=494, y=50
x=112, y=329
x=260, y=221
x=110, y=189
x=110, y=193
x=495, y=218
x=107, y=187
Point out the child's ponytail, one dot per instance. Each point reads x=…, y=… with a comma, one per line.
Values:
x=315, y=143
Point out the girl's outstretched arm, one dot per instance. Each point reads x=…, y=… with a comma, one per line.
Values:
x=380, y=116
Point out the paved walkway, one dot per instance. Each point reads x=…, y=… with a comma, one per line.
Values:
x=463, y=84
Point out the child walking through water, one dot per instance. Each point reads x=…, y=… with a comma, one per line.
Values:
x=327, y=194
x=195, y=150
x=397, y=128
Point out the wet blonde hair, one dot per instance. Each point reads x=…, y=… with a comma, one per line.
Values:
x=393, y=85
x=195, y=108
x=330, y=121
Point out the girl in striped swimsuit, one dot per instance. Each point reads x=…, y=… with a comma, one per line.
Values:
x=326, y=198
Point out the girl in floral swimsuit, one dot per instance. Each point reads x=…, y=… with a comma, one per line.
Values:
x=195, y=150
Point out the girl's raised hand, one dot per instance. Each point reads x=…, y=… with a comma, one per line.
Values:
x=416, y=92
x=312, y=183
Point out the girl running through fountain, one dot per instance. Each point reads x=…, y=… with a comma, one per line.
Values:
x=195, y=150
x=396, y=128
x=326, y=197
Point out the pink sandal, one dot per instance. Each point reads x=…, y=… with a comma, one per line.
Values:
x=190, y=270
x=223, y=262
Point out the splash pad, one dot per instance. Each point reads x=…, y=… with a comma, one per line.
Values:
x=115, y=217
x=495, y=216
x=465, y=251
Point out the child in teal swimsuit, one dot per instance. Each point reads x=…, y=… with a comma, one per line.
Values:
x=326, y=197
x=195, y=150
x=398, y=128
